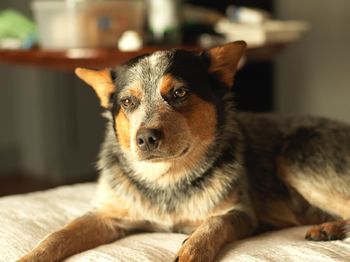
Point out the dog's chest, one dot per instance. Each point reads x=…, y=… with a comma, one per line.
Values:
x=180, y=213
x=178, y=209
x=162, y=210
x=173, y=203
x=176, y=205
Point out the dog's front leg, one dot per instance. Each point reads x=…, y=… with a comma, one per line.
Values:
x=86, y=232
x=210, y=237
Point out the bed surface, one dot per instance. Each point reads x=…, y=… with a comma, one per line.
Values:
x=26, y=219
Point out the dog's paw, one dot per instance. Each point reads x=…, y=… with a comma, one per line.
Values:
x=195, y=250
x=327, y=231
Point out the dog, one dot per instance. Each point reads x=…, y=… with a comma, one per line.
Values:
x=177, y=157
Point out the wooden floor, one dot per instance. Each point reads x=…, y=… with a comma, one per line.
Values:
x=18, y=184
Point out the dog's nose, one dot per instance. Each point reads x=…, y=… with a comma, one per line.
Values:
x=148, y=139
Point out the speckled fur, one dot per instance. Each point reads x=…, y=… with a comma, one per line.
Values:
x=241, y=173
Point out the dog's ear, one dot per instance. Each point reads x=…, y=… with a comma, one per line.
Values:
x=101, y=81
x=224, y=60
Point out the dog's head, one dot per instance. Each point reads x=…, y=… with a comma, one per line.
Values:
x=165, y=104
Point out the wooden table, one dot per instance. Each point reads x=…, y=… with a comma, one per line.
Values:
x=67, y=60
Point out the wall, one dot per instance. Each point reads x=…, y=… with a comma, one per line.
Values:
x=313, y=76
x=9, y=155
x=50, y=123
x=19, y=113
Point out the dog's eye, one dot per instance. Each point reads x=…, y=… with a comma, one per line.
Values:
x=126, y=102
x=180, y=92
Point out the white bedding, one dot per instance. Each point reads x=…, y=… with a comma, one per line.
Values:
x=26, y=219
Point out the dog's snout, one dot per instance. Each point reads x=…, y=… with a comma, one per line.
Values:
x=148, y=139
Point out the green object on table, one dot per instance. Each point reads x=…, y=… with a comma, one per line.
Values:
x=14, y=25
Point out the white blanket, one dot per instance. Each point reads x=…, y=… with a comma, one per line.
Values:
x=26, y=219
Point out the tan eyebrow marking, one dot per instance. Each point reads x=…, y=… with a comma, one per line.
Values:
x=133, y=90
x=168, y=82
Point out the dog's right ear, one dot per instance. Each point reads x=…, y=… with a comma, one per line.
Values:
x=101, y=81
x=224, y=60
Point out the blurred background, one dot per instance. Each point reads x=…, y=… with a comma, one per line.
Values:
x=298, y=61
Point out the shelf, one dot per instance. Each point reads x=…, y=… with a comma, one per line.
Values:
x=69, y=59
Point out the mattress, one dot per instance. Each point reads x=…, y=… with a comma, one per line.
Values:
x=26, y=219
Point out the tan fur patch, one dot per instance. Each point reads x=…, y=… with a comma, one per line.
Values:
x=201, y=118
x=315, y=188
x=167, y=83
x=205, y=243
x=123, y=129
x=225, y=59
x=323, y=196
x=135, y=90
x=227, y=204
x=85, y=232
x=328, y=231
x=277, y=213
x=100, y=81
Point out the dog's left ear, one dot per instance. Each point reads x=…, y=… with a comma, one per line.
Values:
x=101, y=81
x=224, y=60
